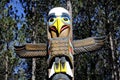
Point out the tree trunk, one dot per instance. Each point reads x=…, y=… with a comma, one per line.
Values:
x=33, y=60
x=114, y=65
x=6, y=67
x=6, y=62
x=33, y=68
x=34, y=38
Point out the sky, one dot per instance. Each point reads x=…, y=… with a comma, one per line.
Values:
x=17, y=6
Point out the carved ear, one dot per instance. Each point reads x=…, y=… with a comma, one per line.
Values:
x=88, y=44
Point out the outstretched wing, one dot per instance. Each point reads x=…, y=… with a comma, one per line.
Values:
x=88, y=44
x=31, y=50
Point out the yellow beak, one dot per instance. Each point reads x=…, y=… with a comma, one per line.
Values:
x=58, y=24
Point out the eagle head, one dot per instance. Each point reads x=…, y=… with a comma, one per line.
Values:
x=59, y=21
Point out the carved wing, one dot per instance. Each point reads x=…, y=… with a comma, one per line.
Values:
x=31, y=50
x=88, y=44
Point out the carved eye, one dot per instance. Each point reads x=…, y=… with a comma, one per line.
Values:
x=65, y=19
x=51, y=19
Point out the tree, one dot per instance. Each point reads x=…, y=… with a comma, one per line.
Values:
x=8, y=35
x=7, y=27
x=90, y=18
x=101, y=18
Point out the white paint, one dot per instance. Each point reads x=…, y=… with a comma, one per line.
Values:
x=58, y=11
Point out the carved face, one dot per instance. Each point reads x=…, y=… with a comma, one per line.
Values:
x=59, y=22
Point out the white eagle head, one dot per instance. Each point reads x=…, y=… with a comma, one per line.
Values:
x=59, y=21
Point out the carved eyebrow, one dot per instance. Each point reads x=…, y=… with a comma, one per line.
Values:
x=65, y=15
x=52, y=15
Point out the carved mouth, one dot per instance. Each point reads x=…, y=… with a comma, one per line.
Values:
x=64, y=27
x=53, y=28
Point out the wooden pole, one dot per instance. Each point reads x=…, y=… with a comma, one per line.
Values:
x=69, y=7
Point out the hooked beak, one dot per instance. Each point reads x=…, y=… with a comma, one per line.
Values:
x=58, y=26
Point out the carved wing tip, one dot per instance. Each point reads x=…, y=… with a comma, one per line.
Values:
x=89, y=44
x=31, y=50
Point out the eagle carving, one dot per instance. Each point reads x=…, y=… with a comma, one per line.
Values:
x=61, y=48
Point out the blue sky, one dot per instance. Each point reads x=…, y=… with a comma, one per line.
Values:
x=16, y=5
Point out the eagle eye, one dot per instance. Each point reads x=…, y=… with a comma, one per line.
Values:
x=51, y=19
x=65, y=19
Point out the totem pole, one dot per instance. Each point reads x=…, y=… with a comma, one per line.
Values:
x=60, y=48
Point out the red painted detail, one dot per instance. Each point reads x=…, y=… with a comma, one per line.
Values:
x=64, y=27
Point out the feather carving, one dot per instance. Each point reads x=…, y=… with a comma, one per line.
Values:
x=31, y=50
x=37, y=50
x=88, y=44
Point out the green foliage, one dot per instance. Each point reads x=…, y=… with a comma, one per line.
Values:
x=21, y=40
x=7, y=26
x=90, y=18
x=7, y=34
